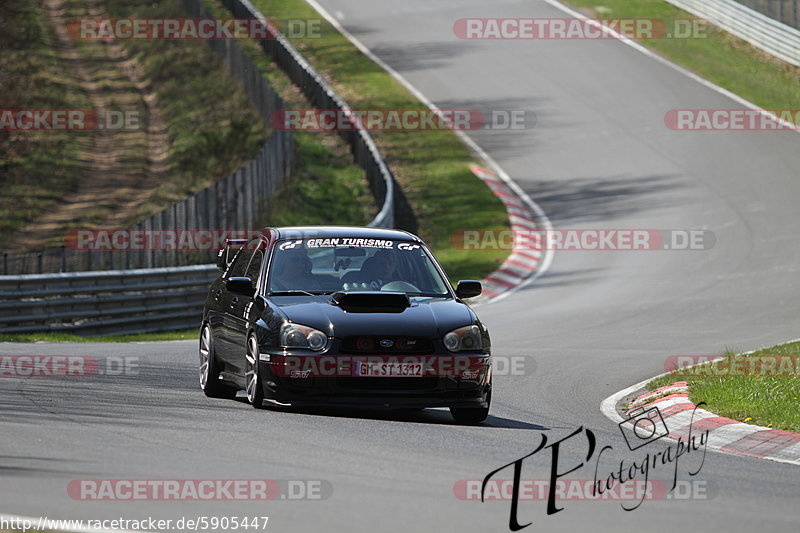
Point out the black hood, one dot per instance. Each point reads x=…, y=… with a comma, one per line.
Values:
x=428, y=317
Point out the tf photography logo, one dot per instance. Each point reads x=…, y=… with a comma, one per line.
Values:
x=649, y=426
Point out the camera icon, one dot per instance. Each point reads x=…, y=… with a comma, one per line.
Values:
x=648, y=426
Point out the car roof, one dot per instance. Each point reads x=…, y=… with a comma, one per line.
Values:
x=358, y=232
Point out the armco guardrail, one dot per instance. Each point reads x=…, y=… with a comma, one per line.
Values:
x=108, y=302
x=786, y=11
x=780, y=40
x=322, y=95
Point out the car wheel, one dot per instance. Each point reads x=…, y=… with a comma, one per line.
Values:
x=209, y=371
x=472, y=415
x=255, y=391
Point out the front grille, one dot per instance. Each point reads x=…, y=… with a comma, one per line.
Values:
x=371, y=345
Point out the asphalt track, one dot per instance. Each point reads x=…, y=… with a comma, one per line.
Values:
x=599, y=156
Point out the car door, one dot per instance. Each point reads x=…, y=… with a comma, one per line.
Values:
x=225, y=339
x=215, y=314
x=239, y=308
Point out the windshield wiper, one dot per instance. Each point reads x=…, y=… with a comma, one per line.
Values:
x=296, y=292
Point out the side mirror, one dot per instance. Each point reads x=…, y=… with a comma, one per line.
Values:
x=467, y=288
x=243, y=286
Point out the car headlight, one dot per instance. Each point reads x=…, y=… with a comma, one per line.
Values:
x=299, y=336
x=466, y=338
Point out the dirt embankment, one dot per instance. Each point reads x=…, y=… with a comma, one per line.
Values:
x=120, y=167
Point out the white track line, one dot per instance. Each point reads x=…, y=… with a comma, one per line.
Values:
x=541, y=218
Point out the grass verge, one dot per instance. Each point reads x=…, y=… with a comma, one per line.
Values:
x=714, y=54
x=189, y=334
x=326, y=188
x=431, y=167
x=763, y=390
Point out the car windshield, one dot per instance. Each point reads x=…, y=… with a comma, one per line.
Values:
x=326, y=265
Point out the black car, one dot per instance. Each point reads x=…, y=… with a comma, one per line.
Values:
x=341, y=316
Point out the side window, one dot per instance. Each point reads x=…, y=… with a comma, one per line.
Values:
x=239, y=265
x=254, y=268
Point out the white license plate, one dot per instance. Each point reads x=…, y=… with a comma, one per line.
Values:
x=394, y=370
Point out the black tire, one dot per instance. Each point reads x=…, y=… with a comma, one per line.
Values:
x=254, y=387
x=209, y=371
x=472, y=415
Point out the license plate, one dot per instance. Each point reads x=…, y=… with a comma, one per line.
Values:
x=394, y=370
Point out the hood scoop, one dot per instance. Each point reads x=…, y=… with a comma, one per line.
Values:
x=371, y=301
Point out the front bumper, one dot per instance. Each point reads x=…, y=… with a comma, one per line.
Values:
x=463, y=384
